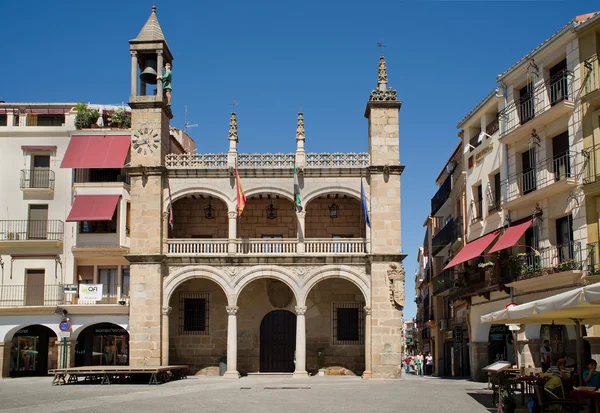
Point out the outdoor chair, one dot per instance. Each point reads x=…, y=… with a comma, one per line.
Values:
x=549, y=402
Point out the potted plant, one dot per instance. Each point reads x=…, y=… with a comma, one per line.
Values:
x=86, y=118
x=509, y=405
x=120, y=119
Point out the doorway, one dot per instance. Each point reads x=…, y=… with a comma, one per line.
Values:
x=40, y=172
x=278, y=342
x=33, y=352
x=38, y=222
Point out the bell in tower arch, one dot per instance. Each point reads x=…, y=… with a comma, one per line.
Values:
x=148, y=75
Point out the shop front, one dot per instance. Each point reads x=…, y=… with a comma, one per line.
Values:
x=103, y=344
x=501, y=344
x=34, y=351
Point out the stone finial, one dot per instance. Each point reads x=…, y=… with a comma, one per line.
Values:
x=382, y=92
x=151, y=30
x=300, y=136
x=382, y=76
x=233, y=128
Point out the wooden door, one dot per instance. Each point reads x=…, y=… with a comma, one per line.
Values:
x=37, y=227
x=277, y=342
x=40, y=172
x=560, y=156
x=34, y=287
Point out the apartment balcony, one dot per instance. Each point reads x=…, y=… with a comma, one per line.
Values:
x=444, y=281
x=591, y=80
x=559, y=265
x=593, y=258
x=441, y=196
x=591, y=172
x=38, y=180
x=548, y=177
x=266, y=246
x=545, y=103
x=31, y=232
x=480, y=281
x=447, y=236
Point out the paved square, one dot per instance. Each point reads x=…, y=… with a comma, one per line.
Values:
x=320, y=394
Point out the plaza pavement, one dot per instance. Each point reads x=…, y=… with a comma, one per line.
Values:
x=249, y=394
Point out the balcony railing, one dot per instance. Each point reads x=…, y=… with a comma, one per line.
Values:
x=477, y=280
x=31, y=295
x=267, y=160
x=443, y=281
x=267, y=246
x=441, y=195
x=549, y=260
x=31, y=230
x=38, y=178
x=591, y=75
x=591, y=162
x=493, y=126
x=543, y=174
x=447, y=235
x=555, y=90
x=111, y=294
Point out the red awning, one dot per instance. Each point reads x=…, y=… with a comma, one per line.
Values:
x=472, y=249
x=96, y=151
x=93, y=208
x=511, y=235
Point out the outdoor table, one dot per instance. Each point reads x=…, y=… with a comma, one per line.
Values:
x=586, y=395
x=528, y=385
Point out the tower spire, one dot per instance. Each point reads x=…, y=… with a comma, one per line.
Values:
x=382, y=92
x=300, y=136
x=233, y=127
x=382, y=76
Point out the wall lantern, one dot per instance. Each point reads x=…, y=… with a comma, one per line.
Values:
x=209, y=211
x=333, y=211
x=271, y=211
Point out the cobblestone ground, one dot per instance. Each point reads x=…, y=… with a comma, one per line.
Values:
x=255, y=394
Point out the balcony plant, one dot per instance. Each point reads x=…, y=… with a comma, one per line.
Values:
x=86, y=118
x=566, y=265
x=120, y=119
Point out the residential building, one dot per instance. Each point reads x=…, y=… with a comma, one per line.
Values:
x=64, y=226
x=409, y=338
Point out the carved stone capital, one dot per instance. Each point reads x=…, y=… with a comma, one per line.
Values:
x=232, y=309
x=232, y=214
x=300, y=310
x=301, y=214
x=166, y=310
x=367, y=310
x=133, y=53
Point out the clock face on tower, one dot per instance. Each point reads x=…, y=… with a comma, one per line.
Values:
x=145, y=141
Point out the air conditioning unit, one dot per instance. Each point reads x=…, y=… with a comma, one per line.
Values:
x=443, y=325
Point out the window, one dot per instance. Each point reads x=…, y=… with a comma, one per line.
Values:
x=99, y=227
x=526, y=103
x=3, y=120
x=494, y=192
x=348, y=325
x=477, y=204
x=108, y=278
x=193, y=313
x=50, y=120
x=564, y=238
x=126, y=282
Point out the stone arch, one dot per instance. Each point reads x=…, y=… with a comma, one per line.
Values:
x=344, y=273
x=354, y=193
x=261, y=272
x=10, y=333
x=216, y=193
x=177, y=278
x=270, y=190
x=79, y=329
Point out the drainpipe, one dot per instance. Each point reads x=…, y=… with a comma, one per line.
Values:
x=504, y=93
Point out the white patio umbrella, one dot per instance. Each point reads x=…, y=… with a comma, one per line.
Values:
x=575, y=307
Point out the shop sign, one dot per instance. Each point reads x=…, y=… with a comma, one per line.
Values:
x=64, y=334
x=109, y=331
x=91, y=292
x=70, y=288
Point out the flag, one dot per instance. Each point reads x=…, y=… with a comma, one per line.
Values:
x=297, y=200
x=170, y=205
x=241, y=198
x=363, y=204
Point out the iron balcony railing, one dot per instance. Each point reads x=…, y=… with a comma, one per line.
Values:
x=493, y=126
x=591, y=75
x=567, y=165
x=554, y=259
x=543, y=96
x=477, y=280
x=38, y=178
x=591, y=162
x=441, y=195
x=111, y=294
x=443, y=281
x=31, y=295
x=447, y=235
x=23, y=230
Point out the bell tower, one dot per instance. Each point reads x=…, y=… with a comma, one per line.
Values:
x=150, y=118
x=387, y=271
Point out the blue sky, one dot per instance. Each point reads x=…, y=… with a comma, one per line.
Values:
x=276, y=58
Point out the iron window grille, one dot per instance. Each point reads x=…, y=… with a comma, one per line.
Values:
x=348, y=323
x=193, y=313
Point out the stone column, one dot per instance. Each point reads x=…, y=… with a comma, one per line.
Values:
x=232, y=246
x=134, y=74
x=232, y=372
x=301, y=225
x=165, y=335
x=479, y=359
x=159, y=70
x=5, y=349
x=367, y=374
x=300, y=343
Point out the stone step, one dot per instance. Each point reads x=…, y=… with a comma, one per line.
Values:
x=270, y=375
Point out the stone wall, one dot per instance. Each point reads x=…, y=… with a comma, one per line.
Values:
x=189, y=220
x=348, y=224
x=254, y=223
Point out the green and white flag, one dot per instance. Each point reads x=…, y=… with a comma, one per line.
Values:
x=297, y=200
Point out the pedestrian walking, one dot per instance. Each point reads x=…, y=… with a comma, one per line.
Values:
x=429, y=361
x=419, y=362
x=407, y=364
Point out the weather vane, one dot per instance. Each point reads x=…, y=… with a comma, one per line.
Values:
x=234, y=104
x=381, y=46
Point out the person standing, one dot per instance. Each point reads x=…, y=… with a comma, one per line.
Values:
x=407, y=364
x=546, y=356
x=419, y=362
x=429, y=361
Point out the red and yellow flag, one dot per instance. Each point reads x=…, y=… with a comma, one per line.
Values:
x=241, y=198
